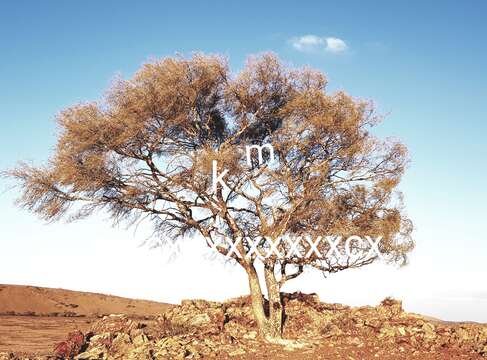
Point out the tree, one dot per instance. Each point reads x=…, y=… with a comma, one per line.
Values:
x=160, y=144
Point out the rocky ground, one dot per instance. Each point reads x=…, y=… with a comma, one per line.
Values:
x=314, y=330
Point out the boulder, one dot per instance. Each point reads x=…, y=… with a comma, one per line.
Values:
x=70, y=347
x=114, y=324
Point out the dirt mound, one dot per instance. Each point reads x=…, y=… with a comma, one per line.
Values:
x=39, y=301
x=313, y=330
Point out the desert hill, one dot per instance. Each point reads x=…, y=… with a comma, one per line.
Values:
x=40, y=301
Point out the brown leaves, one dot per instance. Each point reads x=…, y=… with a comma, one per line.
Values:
x=40, y=191
x=149, y=146
x=177, y=99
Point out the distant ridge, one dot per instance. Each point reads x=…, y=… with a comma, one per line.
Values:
x=41, y=301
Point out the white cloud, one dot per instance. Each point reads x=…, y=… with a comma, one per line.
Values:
x=307, y=43
x=335, y=45
x=313, y=43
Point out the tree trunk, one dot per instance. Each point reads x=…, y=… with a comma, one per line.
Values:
x=275, y=303
x=270, y=325
x=257, y=299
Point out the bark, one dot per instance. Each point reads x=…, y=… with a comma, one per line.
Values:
x=257, y=299
x=270, y=325
x=274, y=321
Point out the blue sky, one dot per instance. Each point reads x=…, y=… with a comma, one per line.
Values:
x=423, y=63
